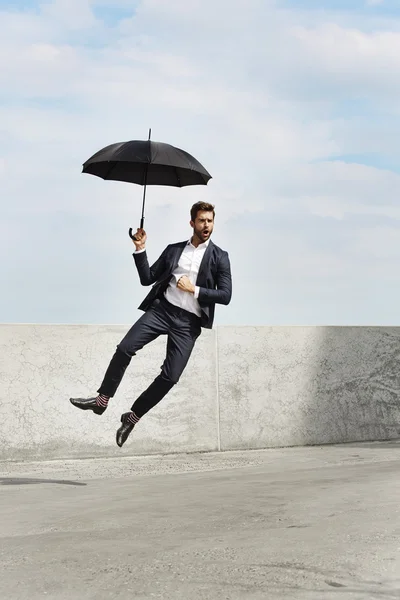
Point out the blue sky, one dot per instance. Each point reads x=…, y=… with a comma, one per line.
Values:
x=381, y=6
x=293, y=107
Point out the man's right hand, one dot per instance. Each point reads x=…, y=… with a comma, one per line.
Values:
x=140, y=242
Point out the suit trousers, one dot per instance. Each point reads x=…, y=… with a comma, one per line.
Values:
x=163, y=318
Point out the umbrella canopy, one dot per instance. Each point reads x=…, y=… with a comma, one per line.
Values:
x=147, y=163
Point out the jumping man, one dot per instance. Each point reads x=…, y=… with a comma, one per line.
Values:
x=190, y=278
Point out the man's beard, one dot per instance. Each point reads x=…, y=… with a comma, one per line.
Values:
x=199, y=234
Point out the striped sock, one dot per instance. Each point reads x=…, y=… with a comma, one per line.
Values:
x=133, y=418
x=102, y=400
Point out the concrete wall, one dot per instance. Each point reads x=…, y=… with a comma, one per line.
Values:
x=244, y=387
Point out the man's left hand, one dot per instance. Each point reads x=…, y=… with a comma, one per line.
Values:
x=186, y=285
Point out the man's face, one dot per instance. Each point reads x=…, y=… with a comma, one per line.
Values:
x=203, y=225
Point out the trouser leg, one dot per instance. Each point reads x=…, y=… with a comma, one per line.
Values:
x=146, y=329
x=182, y=337
x=152, y=396
x=114, y=374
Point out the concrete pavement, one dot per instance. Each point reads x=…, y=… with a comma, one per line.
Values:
x=297, y=523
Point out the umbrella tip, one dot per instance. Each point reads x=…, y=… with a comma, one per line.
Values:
x=150, y=133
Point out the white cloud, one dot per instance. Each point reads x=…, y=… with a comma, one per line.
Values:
x=344, y=51
x=349, y=182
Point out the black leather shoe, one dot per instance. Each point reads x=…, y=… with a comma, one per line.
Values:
x=125, y=430
x=88, y=404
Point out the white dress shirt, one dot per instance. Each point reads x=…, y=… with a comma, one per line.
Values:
x=189, y=265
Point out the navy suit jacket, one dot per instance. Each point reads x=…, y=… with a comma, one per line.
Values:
x=214, y=278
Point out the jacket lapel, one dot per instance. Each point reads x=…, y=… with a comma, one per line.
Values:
x=205, y=263
x=177, y=255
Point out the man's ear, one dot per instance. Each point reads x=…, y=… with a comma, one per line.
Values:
x=192, y=224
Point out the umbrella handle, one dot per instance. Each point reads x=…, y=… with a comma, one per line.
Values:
x=133, y=237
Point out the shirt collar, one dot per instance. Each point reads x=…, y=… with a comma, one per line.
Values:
x=200, y=246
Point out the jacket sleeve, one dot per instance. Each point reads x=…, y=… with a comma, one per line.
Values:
x=149, y=275
x=223, y=293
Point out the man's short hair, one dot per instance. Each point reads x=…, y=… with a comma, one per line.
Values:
x=201, y=206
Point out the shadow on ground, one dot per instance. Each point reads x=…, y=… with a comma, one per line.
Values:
x=29, y=481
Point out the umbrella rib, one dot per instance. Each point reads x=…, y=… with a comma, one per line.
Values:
x=177, y=176
x=113, y=165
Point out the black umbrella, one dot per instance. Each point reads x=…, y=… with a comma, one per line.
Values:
x=146, y=163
